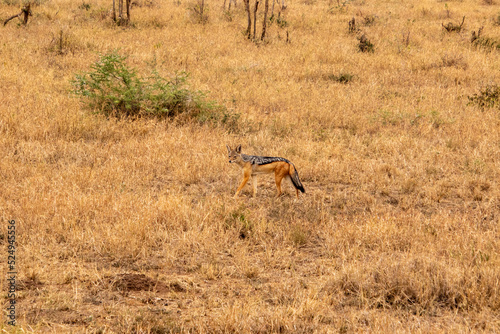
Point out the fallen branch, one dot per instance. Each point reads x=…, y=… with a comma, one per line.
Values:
x=26, y=11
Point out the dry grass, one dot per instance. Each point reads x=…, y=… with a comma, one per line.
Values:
x=130, y=226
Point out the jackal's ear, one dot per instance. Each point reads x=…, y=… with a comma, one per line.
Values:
x=228, y=148
x=238, y=149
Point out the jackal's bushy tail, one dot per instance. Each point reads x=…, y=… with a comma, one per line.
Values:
x=294, y=176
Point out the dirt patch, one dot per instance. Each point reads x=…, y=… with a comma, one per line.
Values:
x=28, y=284
x=65, y=316
x=139, y=282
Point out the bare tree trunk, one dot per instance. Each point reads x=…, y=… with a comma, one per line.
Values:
x=247, y=8
x=128, y=9
x=264, y=23
x=255, y=17
x=120, y=9
x=114, y=11
x=26, y=12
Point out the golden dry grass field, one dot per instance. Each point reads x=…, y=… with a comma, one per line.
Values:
x=128, y=225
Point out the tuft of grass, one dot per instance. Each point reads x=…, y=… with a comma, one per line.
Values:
x=238, y=219
x=298, y=235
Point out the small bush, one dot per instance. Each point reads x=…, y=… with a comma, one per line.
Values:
x=365, y=45
x=488, y=97
x=227, y=15
x=342, y=78
x=496, y=20
x=199, y=11
x=369, y=20
x=113, y=88
x=84, y=6
x=486, y=43
x=281, y=22
x=480, y=41
x=452, y=27
x=64, y=42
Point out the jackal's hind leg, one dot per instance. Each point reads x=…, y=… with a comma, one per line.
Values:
x=278, y=177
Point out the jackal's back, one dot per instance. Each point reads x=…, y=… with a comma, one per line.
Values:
x=258, y=160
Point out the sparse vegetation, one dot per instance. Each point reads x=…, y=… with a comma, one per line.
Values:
x=280, y=21
x=85, y=6
x=486, y=43
x=127, y=224
x=488, y=97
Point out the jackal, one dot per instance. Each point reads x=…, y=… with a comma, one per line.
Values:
x=253, y=165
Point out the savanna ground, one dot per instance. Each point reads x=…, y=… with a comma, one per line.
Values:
x=129, y=225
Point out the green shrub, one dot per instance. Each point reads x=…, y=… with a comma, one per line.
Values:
x=113, y=88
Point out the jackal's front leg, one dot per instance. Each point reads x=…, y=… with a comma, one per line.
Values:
x=246, y=176
x=254, y=182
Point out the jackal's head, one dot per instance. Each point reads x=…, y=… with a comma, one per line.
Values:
x=234, y=155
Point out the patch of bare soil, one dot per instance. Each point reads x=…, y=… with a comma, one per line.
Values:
x=64, y=316
x=29, y=284
x=139, y=282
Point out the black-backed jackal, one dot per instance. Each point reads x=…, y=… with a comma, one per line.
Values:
x=254, y=165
